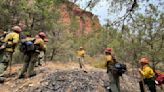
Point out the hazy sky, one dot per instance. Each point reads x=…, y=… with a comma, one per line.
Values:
x=101, y=9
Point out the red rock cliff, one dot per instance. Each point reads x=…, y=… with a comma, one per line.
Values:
x=85, y=21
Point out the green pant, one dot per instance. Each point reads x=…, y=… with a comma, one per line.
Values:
x=29, y=61
x=6, y=58
x=114, y=81
x=81, y=62
x=150, y=82
x=41, y=58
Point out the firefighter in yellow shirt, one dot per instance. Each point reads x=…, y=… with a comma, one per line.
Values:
x=148, y=74
x=80, y=56
x=30, y=57
x=42, y=56
x=113, y=76
x=10, y=42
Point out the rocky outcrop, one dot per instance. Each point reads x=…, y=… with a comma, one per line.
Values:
x=72, y=15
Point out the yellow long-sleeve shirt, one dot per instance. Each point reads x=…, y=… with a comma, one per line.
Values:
x=37, y=41
x=147, y=72
x=81, y=53
x=11, y=39
x=12, y=36
x=41, y=43
x=108, y=59
x=29, y=39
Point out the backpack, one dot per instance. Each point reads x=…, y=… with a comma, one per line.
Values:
x=121, y=68
x=118, y=68
x=27, y=46
x=159, y=78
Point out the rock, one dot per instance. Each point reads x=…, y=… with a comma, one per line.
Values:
x=30, y=85
x=73, y=81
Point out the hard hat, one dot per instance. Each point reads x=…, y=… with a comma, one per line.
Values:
x=16, y=29
x=42, y=34
x=144, y=60
x=108, y=50
x=81, y=47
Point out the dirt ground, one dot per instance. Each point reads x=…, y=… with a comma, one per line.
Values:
x=129, y=81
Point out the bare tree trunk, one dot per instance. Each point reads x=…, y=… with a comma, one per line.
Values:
x=53, y=52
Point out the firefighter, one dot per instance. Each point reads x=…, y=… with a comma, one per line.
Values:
x=113, y=75
x=80, y=56
x=10, y=42
x=2, y=36
x=31, y=56
x=147, y=74
x=41, y=57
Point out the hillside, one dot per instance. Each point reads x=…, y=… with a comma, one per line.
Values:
x=67, y=28
x=58, y=77
x=66, y=77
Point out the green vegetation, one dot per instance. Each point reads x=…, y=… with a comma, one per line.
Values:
x=144, y=35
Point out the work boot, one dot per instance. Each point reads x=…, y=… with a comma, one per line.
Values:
x=21, y=76
x=109, y=89
x=2, y=79
x=31, y=75
x=36, y=65
x=40, y=64
x=85, y=71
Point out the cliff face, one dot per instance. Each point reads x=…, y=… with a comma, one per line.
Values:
x=82, y=21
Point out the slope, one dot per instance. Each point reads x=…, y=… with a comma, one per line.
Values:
x=66, y=77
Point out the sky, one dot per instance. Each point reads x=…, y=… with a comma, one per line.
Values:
x=101, y=9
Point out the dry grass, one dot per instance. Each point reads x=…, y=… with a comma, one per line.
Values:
x=97, y=61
